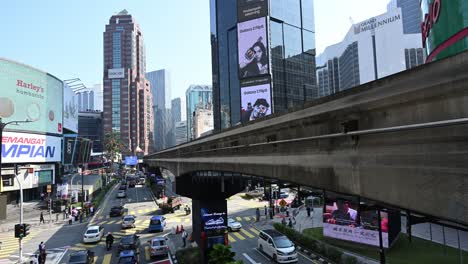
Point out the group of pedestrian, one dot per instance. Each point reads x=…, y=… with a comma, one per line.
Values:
x=42, y=254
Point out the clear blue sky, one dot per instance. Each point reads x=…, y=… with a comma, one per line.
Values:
x=64, y=38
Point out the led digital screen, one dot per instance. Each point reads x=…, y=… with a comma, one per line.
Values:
x=342, y=219
x=255, y=99
x=30, y=94
x=213, y=220
x=252, y=48
x=131, y=160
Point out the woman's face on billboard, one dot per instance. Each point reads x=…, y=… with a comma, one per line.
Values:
x=258, y=53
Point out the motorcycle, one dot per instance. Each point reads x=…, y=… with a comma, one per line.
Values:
x=109, y=244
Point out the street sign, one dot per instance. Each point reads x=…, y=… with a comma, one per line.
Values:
x=282, y=203
x=49, y=188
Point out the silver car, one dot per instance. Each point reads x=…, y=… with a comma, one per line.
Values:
x=158, y=246
x=128, y=221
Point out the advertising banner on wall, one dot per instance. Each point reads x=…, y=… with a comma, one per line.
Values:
x=342, y=219
x=255, y=98
x=116, y=73
x=69, y=146
x=70, y=109
x=213, y=220
x=30, y=94
x=21, y=148
x=252, y=48
x=250, y=9
x=131, y=160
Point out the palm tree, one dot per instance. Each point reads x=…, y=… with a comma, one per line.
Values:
x=221, y=254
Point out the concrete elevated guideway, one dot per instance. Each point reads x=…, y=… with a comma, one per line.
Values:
x=401, y=140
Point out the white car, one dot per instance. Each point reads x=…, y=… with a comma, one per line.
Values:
x=93, y=234
x=277, y=246
x=121, y=194
x=128, y=221
x=233, y=225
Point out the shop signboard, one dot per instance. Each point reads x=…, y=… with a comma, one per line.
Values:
x=22, y=148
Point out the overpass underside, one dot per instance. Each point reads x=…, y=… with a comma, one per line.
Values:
x=401, y=140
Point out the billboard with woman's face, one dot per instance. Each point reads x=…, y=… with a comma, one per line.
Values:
x=255, y=99
x=252, y=48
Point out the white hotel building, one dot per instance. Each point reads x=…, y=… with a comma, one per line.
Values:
x=372, y=49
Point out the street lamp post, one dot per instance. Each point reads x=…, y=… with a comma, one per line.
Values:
x=2, y=126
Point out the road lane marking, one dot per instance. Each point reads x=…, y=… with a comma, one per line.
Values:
x=140, y=211
x=246, y=233
x=253, y=230
x=137, y=222
x=238, y=235
x=239, y=218
x=147, y=253
x=231, y=239
x=262, y=254
x=146, y=222
x=247, y=218
x=107, y=259
x=250, y=259
x=132, y=212
x=147, y=210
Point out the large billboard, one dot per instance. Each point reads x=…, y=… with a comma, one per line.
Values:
x=250, y=9
x=343, y=219
x=255, y=98
x=70, y=109
x=21, y=148
x=252, y=48
x=444, y=28
x=30, y=94
x=69, y=147
x=131, y=160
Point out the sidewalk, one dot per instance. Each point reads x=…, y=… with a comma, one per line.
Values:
x=31, y=215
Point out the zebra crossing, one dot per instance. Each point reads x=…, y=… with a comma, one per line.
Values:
x=9, y=244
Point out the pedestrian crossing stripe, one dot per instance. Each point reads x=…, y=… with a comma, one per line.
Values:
x=106, y=260
x=239, y=236
x=231, y=239
x=140, y=211
x=253, y=230
x=239, y=218
x=247, y=233
x=132, y=212
x=10, y=243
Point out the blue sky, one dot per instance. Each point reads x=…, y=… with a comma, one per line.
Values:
x=64, y=38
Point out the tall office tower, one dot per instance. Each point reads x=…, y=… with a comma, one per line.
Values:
x=411, y=14
x=176, y=110
x=372, y=49
x=160, y=88
x=263, y=59
x=202, y=121
x=127, y=93
x=98, y=97
x=181, y=132
x=196, y=96
x=86, y=100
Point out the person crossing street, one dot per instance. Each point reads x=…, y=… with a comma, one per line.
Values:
x=184, y=238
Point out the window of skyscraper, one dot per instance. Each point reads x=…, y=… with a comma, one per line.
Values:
x=308, y=21
x=308, y=41
x=286, y=10
x=292, y=41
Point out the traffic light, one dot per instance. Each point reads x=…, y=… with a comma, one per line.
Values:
x=18, y=230
x=21, y=231
x=26, y=228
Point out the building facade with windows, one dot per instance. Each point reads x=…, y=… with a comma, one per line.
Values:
x=372, y=49
x=90, y=127
x=197, y=97
x=127, y=95
x=290, y=46
x=160, y=87
x=180, y=132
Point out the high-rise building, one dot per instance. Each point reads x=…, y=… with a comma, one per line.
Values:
x=127, y=94
x=411, y=14
x=180, y=132
x=176, y=110
x=372, y=49
x=86, y=100
x=202, y=121
x=160, y=88
x=281, y=37
x=98, y=97
x=197, y=96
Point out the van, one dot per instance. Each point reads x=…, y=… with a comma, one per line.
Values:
x=277, y=246
x=157, y=223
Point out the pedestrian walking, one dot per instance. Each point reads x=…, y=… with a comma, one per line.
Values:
x=91, y=210
x=265, y=211
x=81, y=217
x=42, y=196
x=308, y=211
x=257, y=213
x=271, y=213
x=290, y=223
x=70, y=219
x=184, y=238
x=41, y=246
x=41, y=218
x=283, y=221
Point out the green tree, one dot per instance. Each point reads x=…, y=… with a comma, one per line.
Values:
x=113, y=145
x=221, y=254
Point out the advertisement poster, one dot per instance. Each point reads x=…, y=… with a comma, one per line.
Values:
x=250, y=9
x=131, y=160
x=213, y=220
x=21, y=148
x=68, y=149
x=252, y=48
x=30, y=94
x=255, y=99
x=342, y=219
x=70, y=109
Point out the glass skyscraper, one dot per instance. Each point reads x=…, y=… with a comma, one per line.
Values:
x=291, y=46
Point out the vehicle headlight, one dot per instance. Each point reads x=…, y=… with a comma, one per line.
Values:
x=280, y=253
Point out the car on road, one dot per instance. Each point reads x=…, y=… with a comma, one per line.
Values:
x=158, y=246
x=81, y=257
x=117, y=211
x=277, y=246
x=131, y=183
x=123, y=187
x=128, y=221
x=142, y=180
x=283, y=195
x=93, y=234
x=157, y=223
x=128, y=257
x=233, y=225
x=129, y=242
x=121, y=194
